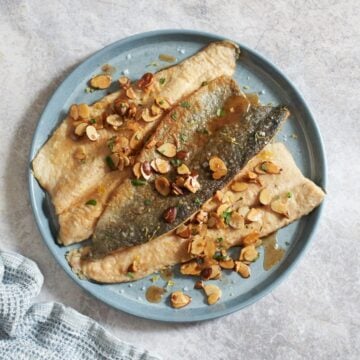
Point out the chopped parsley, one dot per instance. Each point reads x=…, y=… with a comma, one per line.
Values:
x=183, y=138
x=92, y=121
x=111, y=143
x=185, y=104
x=263, y=167
x=170, y=283
x=226, y=215
x=147, y=202
x=175, y=162
x=219, y=256
x=155, y=278
x=130, y=275
x=91, y=202
x=220, y=112
x=162, y=81
x=138, y=182
x=219, y=239
x=289, y=194
x=110, y=163
x=174, y=116
x=197, y=201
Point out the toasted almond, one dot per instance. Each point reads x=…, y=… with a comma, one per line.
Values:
x=197, y=245
x=100, y=82
x=242, y=269
x=280, y=207
x=178, y=299
x=114, y=120
x=145, y=81
x=176, y=190
x=147, y=117
x=270, y=167
x=73, y=112
x=80, y=129
x=161, y=166
x=84, y=111
x=130, y=93
x=237, y=221
x=248, y=253
x=133, y=267
x=124, y=82
x=216, y=164
x=155, y=110
x=162, y=103
x=190, y=268
x=145, y=170
x=136, y=170
x=254, y=215
x=122, y=144
x=183, y=170
x=210, y=248
x=184, y=231
x=135, y=140
x=222, y=208
x=250, y=239
x=251, y=175
x=265, y=196
x=199, y=284
x=239, y=186
x=199, y=229
x=167, y=149
x=192, y=184
x=227, y=264
x=219, y=174
x=150, y=144
x=202, y=216
x=162, y=185
x=218, y=196
x=213, y=293
x=259, y=170
x=91, y=133
x=79, y=153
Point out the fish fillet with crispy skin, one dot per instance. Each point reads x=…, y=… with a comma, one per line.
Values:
x=170, y=249
x=71, y=182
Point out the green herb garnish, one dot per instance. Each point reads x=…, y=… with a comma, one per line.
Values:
x=220, y=112
x=155, y=278
x=174, y=116
x=219, y=256
x=204, y=83
x=91, y=202
x=263, y=167
x=219, y=239
x=110, y=163
x=138, y=182
x=226, y=215
x=170, y=283
x=182, y=137
x=289, y=194
x=111, y=143
x=246, y=87
x=197, y=201
x=162, y=81
x=130, y=275
x=147, y=202
x=92, y=121
x=185, y=104
x=175, y=162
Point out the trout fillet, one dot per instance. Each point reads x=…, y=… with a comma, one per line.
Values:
x=169, y=249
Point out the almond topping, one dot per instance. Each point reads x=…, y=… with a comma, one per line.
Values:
x=80, y=129
x=162, y=185
x=202, y=216
x=254, y=215
x=248, y=253
x=183, y=170
x=161, y=166
x=183, y=231
x=136, y=170
x=192, y=184
x=145, y=170
x=190, y=268
x=280, y=206
x=227, y=264
x=239, y=186
x=155, y=110
x=84, y=111
x=270, y=168
x=124, y=82
x=135, y=140
x=147, y=117
x=145, y=81
x=213, y=293
x=162, y=103
x=216, y=164
x=170, y=214
x=167, y=149
x=251, y=175
x=197, y=245
x=130, y=93
x=178, y=299
x=219, y=174
x=199, y=285
x=73, y=112
x=182, y=155
x=114, y=120
x=100, y=82
x=250, y=239
x=242, y=269
x=236, y=221
x=265, y=197
x=91, y=133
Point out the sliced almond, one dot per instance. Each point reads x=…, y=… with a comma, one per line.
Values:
x=239, y=186
x=222, y=208
x=130, y=93
x=145, y=170
x=227, y=264
x=255, y=215
x=248, y=253
x=80, y=129
x=190, y=268
x=136, y=170
x=237, y=221
x=183, y=170
x=162, y=103
x=199, y=285
x=73, y=112
x=114, y=120
x=210, y=248
x=270, y=167
x=216, y=164
x=202, y=216
x=259, y=170
x=192, y=184
x=124, y=82
x=133, y=267
x=84, y=111
x=219, y=174
x=250, y=239
x=218, y=196
x=167, y=149
x=135, y=140
x=213, y=293
x=162, y=185
x=155, y=110
x=251, y=175
x=242, y=269
x=101, y=81
x=197, y=245
x=92, y=133
x=178, y=299
x=184, y=231
x=280, y=207
x=161, y=166
x=229, y=197
x=147, y=117
x=265, y=196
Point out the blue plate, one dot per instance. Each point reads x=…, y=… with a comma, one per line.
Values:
x=256, y=74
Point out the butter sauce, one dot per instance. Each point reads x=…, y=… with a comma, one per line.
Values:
x=272, y=252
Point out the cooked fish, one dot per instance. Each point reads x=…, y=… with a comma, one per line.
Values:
x=71, y=181
x=217, y=121
x=170, y=249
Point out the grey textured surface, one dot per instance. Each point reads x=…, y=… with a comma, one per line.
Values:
x=315, y=313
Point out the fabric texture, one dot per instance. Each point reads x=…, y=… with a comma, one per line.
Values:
x=48, y=330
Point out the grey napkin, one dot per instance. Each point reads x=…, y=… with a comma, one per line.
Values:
x=48, y=330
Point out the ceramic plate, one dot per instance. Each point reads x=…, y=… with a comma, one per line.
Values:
x=253, y=72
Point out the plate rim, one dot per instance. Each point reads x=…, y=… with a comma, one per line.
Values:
x=267, y=288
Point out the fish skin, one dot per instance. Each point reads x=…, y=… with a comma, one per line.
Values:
x=114, y=229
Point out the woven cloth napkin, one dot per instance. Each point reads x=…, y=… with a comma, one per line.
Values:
x=48, y=330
